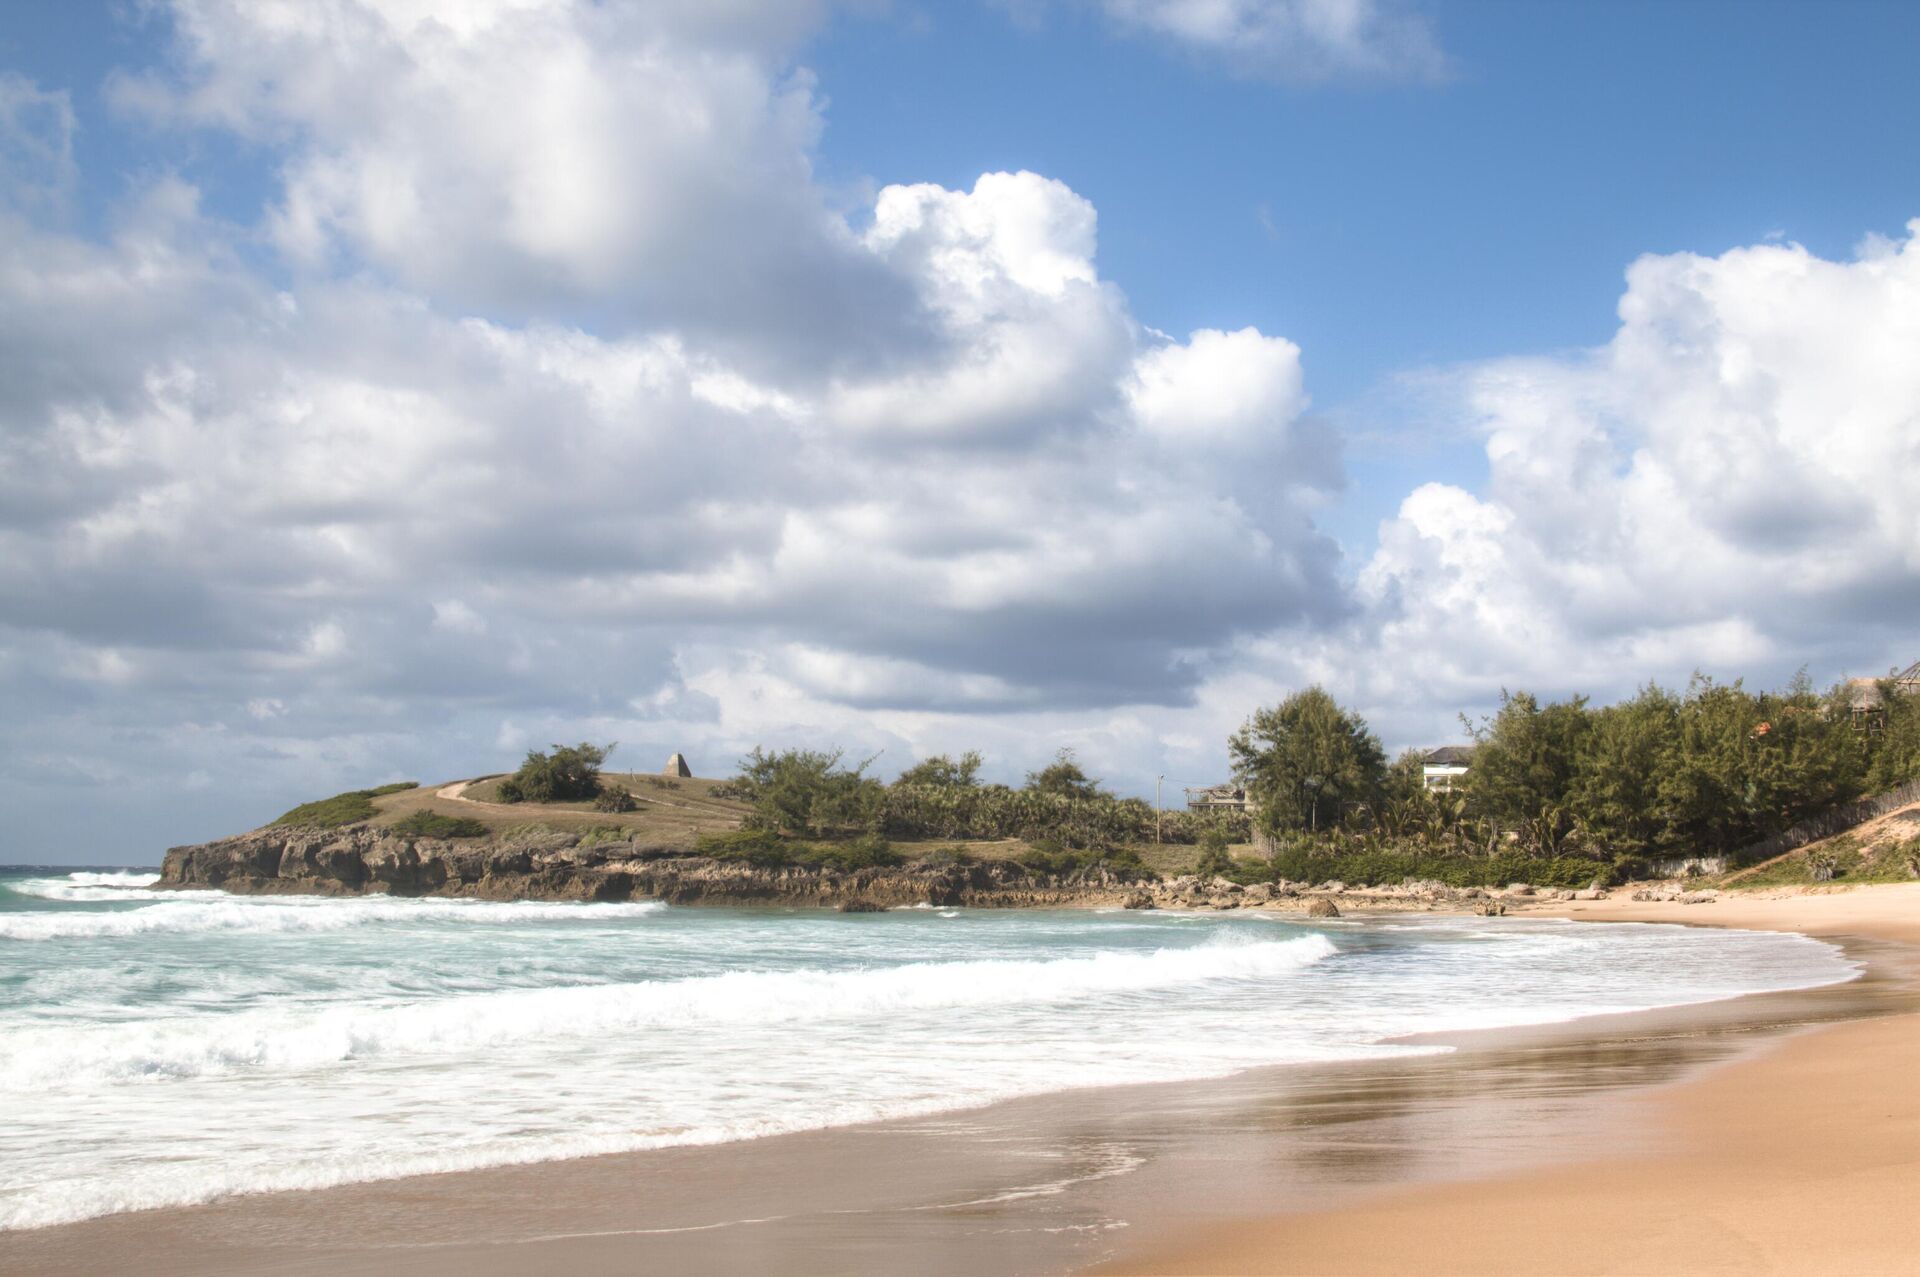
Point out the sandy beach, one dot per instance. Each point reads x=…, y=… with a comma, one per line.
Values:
x=1803, y=1158
x=1772, y=1133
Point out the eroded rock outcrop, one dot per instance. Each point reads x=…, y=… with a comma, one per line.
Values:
x=545, y=864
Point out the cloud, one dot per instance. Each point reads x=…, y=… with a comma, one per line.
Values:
x=1293, y=41
x=633, y=163
x=440, y=478
x=1718, y=487
x=37, y=171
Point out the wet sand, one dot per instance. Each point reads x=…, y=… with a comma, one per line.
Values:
x=1801, y=1159
x=1365, y=1159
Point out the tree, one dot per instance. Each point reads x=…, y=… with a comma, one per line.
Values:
x=1406, y=779
x=1896, y=746
x=1214, y=861
x=1620, y=763
x=1524, y=763
x=944, y=772
x=1063, y=778
x=570, y=773
x=1305, y=760
x=807, y=791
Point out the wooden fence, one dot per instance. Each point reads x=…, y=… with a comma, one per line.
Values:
x=1827, y=824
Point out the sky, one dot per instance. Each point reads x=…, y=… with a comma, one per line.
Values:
x=388, y=387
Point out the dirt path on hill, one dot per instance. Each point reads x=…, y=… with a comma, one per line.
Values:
x=457, y=792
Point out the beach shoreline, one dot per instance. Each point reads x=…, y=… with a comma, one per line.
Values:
x=1146, y=1177
x=1800, y=1157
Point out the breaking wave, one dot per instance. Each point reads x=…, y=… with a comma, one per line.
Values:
x=285, y=1040
x=170, y=911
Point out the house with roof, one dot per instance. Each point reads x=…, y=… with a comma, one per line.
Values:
x=1443, y=769
x=1865, y=698
x=1226, y=796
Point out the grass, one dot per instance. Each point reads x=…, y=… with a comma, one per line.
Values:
x=651, y=824
x=1853, y=863
x=350, y=808
x=770, y=851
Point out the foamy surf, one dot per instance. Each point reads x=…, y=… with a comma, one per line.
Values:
x=32, y=1059
x=168, y=1051
x=212, y=911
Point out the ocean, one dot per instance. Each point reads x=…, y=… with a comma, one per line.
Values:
x=166, y=1048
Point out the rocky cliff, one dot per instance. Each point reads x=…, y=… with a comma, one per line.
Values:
x=547, y=865
x=555, y=866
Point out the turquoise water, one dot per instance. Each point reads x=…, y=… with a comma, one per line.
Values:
x=163, y=1048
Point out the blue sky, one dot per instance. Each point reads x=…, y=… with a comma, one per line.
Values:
x=394, y=386
x=1393, y=228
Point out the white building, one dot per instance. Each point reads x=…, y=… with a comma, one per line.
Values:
x=1444, y=768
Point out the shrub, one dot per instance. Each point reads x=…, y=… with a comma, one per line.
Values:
x=807, y=791
x=569, y=774
x=1064, y=778
x=761, y=848
x=349, y=808
x=616, y=798
x=765, y=849
x=869, y=851
x=1049, y=856
x=1214, y=861
x=947, y=857
x=1387, y=865
x=431, y=824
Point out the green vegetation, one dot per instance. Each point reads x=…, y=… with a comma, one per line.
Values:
x=942, y=771
x=1560, y=793
x=1050, y=856
x=349, y=808
x=571, y=773
x=614, y=799
x=1842, y=859
x=806, y=791
x=765, y=849
x=1214, y=862
x=1063, y=778
x=1305, y=757
x=1363, y=866
x=1708, y=771
x=1563, y=792
x=431, y=824
x=809, y=793
x=1895, y=747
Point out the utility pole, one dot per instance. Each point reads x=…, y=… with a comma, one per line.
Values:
x=1156, y=808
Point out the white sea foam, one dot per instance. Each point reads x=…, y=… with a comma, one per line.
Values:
x=91, y=887
x=115, y=878
x=256, y=1044
x=33, y=1057
x=208, y=911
